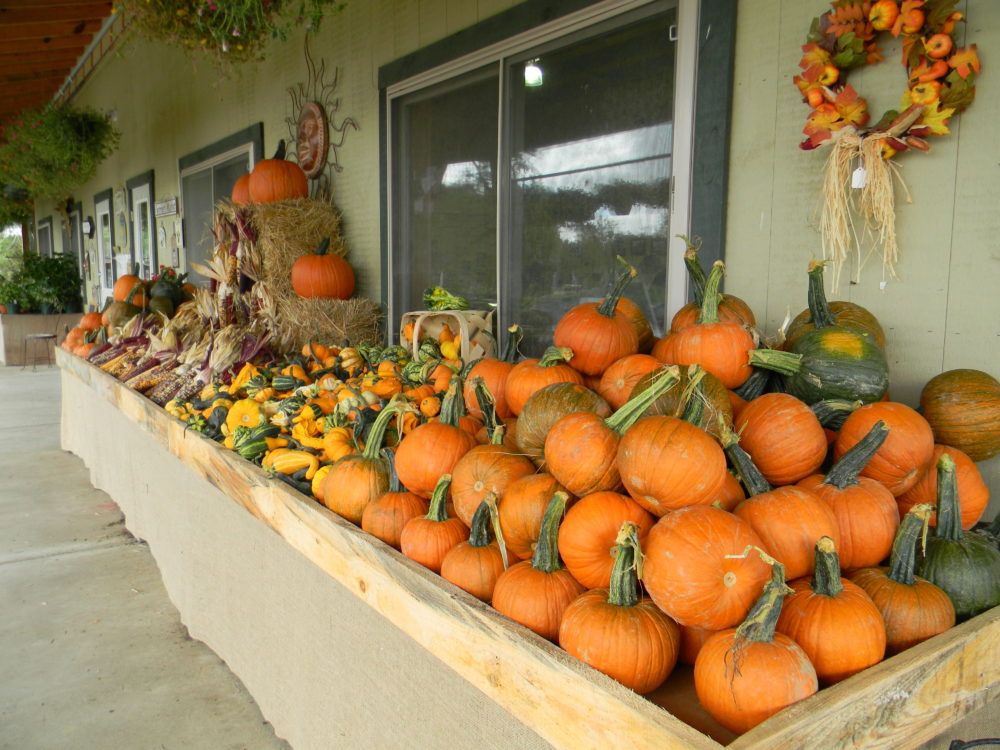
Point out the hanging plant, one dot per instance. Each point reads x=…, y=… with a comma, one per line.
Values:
x=940, y=84
x=229, y=31
x=49, y=152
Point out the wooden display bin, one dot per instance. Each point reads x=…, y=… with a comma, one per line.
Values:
x=544, y=696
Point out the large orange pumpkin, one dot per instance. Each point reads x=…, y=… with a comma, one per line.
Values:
x=276, y=179
x=241, y=190
x=597, y=332
x=699, y=569
x=320, y=274
x=783, y=437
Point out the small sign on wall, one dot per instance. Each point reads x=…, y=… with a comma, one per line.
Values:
x=166, y=207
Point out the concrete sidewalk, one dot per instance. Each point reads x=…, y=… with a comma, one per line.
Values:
x=92, y=652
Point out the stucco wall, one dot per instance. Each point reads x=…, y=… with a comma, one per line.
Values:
x=943, y=311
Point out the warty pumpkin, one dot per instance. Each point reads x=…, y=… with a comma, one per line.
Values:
x=745, y=675
x=596, y=332
x=536, y=593
x=834, y=621
x=913, y=609
x=618, y=633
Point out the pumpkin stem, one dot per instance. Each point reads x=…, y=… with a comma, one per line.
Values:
x=491, y=502
x=514, y=336
x=480, y=532
x=845, y=472
x=710, y=302
x=453, y=405
x=696, y=274
x=833, y=412
x=693, y=398
x=323, y=246
x=628, y=564
x=377, y=432
x=786, y=363
x=546, y=556
x=747, y=471
x=819, y=309
x=498, y=434
x=487, y=405
x=635, y=407
x=279, y=152
x=949, y=519
x=762, y=618
x=438, y=510
x=904, y=547
x=390, y=461
x=555, y=355
x=607, y=307
x=826, y=577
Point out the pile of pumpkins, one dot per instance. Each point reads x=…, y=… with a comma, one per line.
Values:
x=767, y=501
x=130, y=296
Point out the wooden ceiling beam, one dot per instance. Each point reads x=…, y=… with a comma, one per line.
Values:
x=49, y=84
x=55, y=56
x=74, y=44
x=12, y=68
x=36, y=31
x=91, y=11
x=9, y=79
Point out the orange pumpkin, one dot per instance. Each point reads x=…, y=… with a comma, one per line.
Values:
x=485, y=469
x=744, y=675
x=90, y=321
x=427, y=539
x=476, y=564
x=536, y=593
x=534, y=374
x=598, y=333
x=276, y=179
x=783, y=437
x=618, y=633
x=322, y=275
x=621, y=377
x=521, y=510
x=124, y=286
x=385, y=517
x=241, y=190
x=973, y=494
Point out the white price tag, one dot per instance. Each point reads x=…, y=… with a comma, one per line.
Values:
x=859, y=178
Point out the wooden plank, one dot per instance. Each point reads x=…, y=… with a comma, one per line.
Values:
x=48, y=14
x=566, y=702
x=22, y=31
x=29, y=86
x=898, y=704
x=53, y=57
x=19, y=71
x=73, y=44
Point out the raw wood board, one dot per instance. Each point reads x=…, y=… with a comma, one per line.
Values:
x=899, y=704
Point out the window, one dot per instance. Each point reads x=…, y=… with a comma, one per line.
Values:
x=520, y=169
x=105, y=233
x=44, y=237
x=208, y=175
x=140, y=200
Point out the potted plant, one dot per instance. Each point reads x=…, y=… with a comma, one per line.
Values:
x=53, y=283
x=12, y=293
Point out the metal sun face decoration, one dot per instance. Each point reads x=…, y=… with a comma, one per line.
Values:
x=314, y=102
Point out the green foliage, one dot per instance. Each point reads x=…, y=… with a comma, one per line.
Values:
x=51, y=151
x=16, y=207
x=30, y=281
x=231, y=31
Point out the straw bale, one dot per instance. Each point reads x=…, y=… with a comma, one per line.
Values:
x=331, y=321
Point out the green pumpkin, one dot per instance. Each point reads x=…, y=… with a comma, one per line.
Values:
x=396, y=354
x=120, y=313
x=286, y=383
x=966, y=566
x=162, y=304
x=838, y=363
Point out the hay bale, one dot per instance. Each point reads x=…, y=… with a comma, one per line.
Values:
x=286, y=231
